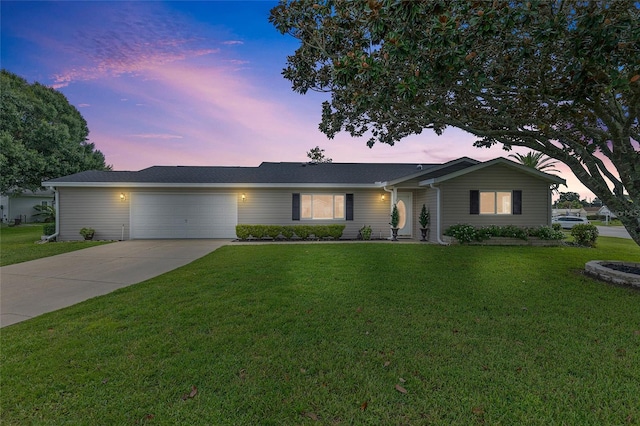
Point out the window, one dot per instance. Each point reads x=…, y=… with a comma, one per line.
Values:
x=322, y=206
x=496, y=202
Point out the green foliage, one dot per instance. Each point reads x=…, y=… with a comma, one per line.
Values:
x=304, y=232
x=556, y=227
x=536, y=160
x=424, y=217
x=547, y=232
x=46, y=213
x=520, y=73
x=316, y=155
x=87, y=232
x=49, y=229
x=465, y=233
x=395, y=217
x=365, y=232
x=42, y=136
x=585, y=234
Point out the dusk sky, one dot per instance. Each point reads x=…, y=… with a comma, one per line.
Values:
x=192, y=83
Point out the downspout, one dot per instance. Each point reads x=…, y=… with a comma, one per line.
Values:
x=56, y=202
x=438, y=214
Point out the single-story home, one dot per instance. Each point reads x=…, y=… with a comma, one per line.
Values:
x=208, y=202
x=19, y=205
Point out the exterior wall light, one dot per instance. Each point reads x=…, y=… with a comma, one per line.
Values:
x=123, y=197
x=244, y=197
x=382, y=197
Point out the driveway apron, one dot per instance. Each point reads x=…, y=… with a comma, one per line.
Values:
x=33, y=288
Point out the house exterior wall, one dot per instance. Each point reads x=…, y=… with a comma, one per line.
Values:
x=98, y=208
x=103, y=210
x=536, y=210
x=21, y=206
x=273, y=207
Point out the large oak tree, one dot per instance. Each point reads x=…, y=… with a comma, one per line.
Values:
x=42, y=136
x=558, y=77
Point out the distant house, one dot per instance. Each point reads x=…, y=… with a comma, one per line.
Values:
x=581, y=212
x=20, y=205
x=606, y=213
x=208, y=202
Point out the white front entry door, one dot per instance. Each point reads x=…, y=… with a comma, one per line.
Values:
x=405, y=208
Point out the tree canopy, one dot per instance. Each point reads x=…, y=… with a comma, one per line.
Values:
x=316, y=155
x=42, y=136
x=559, y=77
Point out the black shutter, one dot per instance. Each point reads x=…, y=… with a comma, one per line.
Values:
x=295, y=207
x=517, y=202
x=349, y=207
x=474, y=202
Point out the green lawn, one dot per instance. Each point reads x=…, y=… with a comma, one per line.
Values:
x=18, y=244
x=340, y=334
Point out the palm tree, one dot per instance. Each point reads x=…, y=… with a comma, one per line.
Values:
x=537, y=160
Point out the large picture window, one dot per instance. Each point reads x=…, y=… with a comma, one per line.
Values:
x=322, y=206
x=495, y=202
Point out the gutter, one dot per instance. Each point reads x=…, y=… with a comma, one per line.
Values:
x=437, y=215
x=56, y=199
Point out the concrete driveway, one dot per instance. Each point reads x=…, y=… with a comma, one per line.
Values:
x=613, y=231
x=33, y=288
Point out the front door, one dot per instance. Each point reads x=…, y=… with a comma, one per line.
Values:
x=405, y=208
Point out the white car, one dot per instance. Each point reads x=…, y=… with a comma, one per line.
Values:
x=568, y=222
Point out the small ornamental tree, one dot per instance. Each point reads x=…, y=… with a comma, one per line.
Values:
x=395, y=217
x=424, y=217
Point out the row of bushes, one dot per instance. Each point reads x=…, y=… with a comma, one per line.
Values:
x=288, y=232
x=467, y=233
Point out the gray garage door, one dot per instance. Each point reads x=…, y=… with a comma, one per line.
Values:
x=162, y=215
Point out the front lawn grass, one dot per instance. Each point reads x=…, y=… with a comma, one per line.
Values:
x=18, y=244
x=341, y=334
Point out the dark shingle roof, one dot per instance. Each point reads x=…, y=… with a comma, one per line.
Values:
x=266, y=173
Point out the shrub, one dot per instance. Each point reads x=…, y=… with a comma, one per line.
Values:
x=49, y=229
x=467, y=233
x=242, y=231
x=273, y=231
x=463, y=233
x=546, y=233
x=336, y=231
x=557, y=227
x=302, y=231
x=287, y=232
x=585, y=234
x=365, y=232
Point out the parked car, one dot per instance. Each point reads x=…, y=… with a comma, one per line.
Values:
x=568, y=222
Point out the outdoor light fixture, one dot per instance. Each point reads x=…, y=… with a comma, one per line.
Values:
x=244, y=197
x=382, y=197
x=122, y=196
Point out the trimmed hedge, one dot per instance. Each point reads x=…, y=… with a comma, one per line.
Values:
x=467, y=233
x=288, y=232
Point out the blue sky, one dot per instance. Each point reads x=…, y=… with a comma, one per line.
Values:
x=191, y=83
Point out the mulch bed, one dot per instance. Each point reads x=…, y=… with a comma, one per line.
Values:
x=623, y=268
